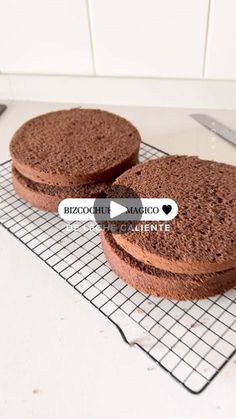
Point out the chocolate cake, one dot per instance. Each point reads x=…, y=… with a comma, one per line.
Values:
x=161, y=283
x=75, y=147
x=48, y=197
x=202, y=238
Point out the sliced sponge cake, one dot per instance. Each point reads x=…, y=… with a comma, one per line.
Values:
x=202, y=238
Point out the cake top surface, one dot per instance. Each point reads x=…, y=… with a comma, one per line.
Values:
x=73, y=142
x=205, y=192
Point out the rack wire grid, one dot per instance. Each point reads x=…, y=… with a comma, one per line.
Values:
x=191, y=340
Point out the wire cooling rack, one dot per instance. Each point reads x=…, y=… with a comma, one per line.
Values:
x=190, y=340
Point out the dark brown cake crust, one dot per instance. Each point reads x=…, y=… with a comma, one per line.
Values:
x=203, y=236
x=47, y=197
x=161, y=283
x=75, y=147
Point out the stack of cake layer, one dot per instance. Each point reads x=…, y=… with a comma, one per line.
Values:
x=74, y=153
x=196, y=258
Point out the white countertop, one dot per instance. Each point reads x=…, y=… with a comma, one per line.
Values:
x=59, y=357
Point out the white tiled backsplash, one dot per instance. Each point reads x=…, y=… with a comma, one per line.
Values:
x=136, y=38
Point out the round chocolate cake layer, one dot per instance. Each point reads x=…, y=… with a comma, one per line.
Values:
x=202, y=238
x=74, y=147
x=47, y=197
x=161, y=283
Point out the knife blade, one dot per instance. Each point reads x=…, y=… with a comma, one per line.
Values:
x=215, y=126
x=2, y=108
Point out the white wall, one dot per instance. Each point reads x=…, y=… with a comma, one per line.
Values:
x=150, y=39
